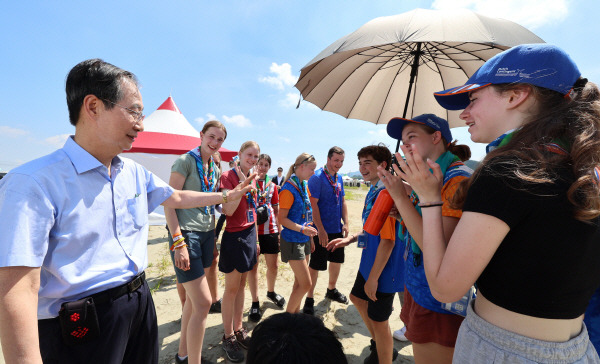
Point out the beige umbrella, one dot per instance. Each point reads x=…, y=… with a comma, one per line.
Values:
x=391, y=66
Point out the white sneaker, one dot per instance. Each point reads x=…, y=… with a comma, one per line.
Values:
x=399, y=334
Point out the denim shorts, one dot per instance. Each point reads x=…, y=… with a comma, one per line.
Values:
x=200, y=246
x=482, y=342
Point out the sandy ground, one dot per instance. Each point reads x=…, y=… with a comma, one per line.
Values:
x=344, y=320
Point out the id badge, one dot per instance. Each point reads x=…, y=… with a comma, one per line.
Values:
x=309, y=216
x=362, y=240
x=249, y=216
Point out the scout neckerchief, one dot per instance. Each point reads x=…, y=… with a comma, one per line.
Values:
x=262, y=196
x=302, y=189
x=208, y=181
x=370, y=199
x=445, y=160
x=333, y=182
x=556, y=146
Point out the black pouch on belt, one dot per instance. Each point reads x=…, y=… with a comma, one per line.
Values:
x=79, y=321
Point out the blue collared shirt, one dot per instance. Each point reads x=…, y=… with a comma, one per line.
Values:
x=87, y=231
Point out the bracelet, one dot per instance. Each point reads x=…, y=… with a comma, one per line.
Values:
x=180, y=246
x=431, y=205
x=302, y=229
x=176, y=237
x=177, y=242
x=224, y=196
x=428, y=204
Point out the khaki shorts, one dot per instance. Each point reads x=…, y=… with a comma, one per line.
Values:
x=293, y=251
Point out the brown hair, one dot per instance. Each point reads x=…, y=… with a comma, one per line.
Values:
x=379, y=152
x=573, y=122
x=301, y=159
x=214, y=124
x=336, y=150
x=248, y=144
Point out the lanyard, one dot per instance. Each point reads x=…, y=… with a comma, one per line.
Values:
x=294, y=181
x=333, y=182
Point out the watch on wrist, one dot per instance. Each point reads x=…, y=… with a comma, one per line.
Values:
x=224, y=196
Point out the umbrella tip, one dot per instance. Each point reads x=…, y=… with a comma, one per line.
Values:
x=299, y=99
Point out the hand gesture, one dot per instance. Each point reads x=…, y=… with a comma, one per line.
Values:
x=240, y=190
x=309, y=231
x=416, y=172
x=371, y=289
x=182, y=258
x=345, y=230
x=338, y=243
x=323, y=238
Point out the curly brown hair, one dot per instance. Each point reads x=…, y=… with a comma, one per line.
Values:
x=572, y=122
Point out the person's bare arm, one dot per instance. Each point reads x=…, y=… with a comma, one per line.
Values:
x=346, y=227
x=323, y=238
x=276, y=213
x=18, y=314
x=189, y=199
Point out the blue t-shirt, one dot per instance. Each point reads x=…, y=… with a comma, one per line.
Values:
x=330, y=205
x=295, y=214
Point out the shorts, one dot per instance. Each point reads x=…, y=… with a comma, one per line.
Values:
x=320, y=257
x=426, y=326
x=481, y=342
x=200, y=246
x=379, y=310
x=293, y=251
x=269, y=243
x=238, y=250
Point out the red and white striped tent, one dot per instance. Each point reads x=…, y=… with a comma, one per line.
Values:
x=167, y=134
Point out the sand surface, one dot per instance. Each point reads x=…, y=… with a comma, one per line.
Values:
x=344, y=320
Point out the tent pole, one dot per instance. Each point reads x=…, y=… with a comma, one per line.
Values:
x=413, y=75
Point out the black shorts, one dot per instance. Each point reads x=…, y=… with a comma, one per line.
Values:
x=379, y=310
x=320, y=257
x=238, y=251
x=269, y=243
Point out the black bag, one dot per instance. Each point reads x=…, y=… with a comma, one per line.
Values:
x=262, y=214
x=79, y=321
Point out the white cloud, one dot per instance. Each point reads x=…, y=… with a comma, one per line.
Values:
x=287, y=140
x=57, y=141
x=7, y=131
x=273, y=123
x=201, y=120
x=290, y=101
x=238, y=120
x=528, y=13
x=283, y=76
x=378, y=132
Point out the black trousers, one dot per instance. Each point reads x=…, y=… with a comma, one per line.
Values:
x=128, y=334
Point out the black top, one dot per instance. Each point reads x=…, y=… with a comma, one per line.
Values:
x=548, y=265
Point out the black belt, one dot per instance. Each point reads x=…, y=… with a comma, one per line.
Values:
x=116, y=292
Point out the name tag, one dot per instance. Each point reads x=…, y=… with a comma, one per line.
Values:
x=362, y=240
x=309, y=218
x=249, y=216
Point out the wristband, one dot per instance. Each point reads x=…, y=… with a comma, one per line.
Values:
x=224, y=196
x=302, y=229
x=429, y=204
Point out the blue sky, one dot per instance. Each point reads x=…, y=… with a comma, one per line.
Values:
x=236, y=61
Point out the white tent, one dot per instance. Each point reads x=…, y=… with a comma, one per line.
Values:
x=167, y=134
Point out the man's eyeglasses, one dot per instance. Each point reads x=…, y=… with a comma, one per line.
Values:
x=138, y=116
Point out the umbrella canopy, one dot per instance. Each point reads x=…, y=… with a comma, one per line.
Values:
x=391, y=66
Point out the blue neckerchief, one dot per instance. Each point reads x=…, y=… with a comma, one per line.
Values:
x=499, y=141
x=370, y=199
x=301, y=187
x=207, y=184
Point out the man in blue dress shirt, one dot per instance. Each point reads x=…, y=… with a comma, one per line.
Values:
x=75, y=225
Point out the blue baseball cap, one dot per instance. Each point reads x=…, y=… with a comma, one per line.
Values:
x=543, y=65
x=396, y=125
